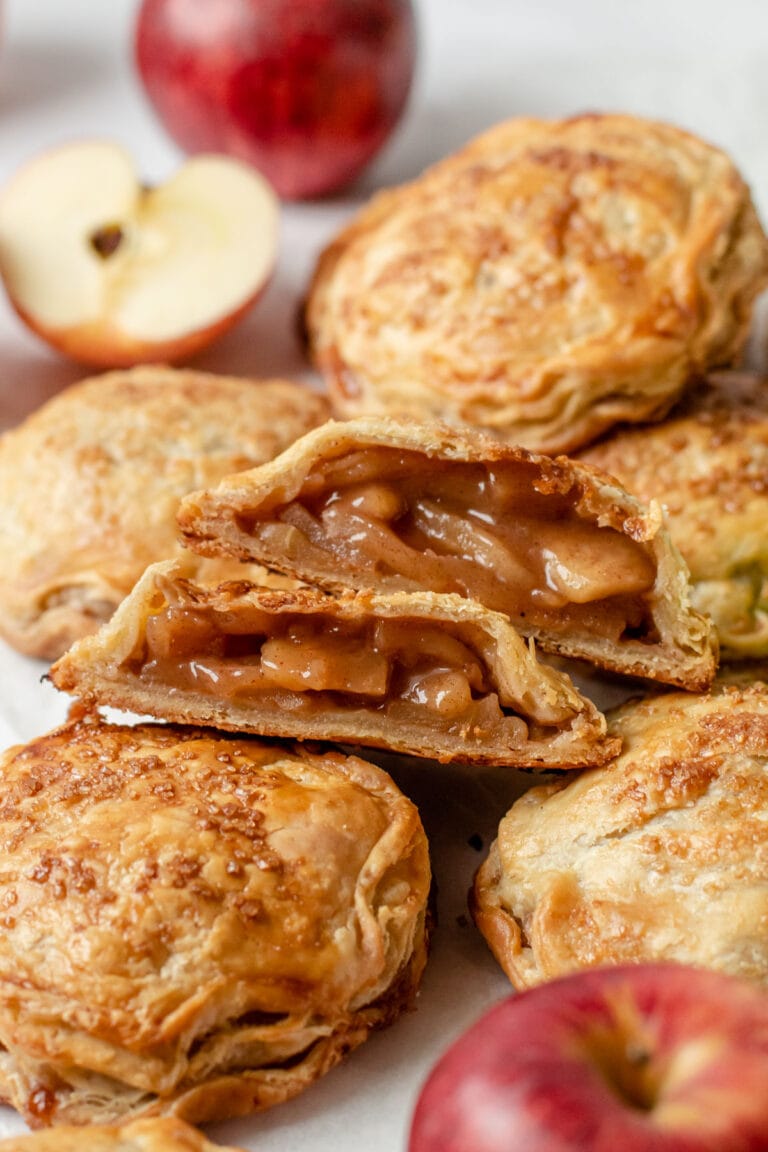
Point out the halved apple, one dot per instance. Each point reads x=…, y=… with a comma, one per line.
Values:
x=113, y=273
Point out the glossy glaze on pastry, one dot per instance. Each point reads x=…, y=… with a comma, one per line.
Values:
x=707, y=463
x=568, y=555
x=89, y=486
x=196, y=924
x=418, y=673
x=159, y=1134
x=545, y=282
x=662, y=855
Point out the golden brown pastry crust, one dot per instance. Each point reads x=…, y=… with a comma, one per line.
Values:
x=707, y=463
x=661, y=855
x=160, y=1134
x=89, y=486
x=118, y=666
x=677, y=648
x=195, y=924
x=545, y=282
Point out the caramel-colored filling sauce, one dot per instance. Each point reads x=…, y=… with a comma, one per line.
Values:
x=411, y=670
x=400, y=520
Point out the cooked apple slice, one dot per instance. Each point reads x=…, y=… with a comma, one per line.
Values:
x=113, y=273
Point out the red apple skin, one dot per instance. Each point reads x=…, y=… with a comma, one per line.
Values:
x=101, y=345
x=650, y=1058
x=305, y=90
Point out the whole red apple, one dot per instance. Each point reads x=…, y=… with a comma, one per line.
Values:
x=306, y=90
x=651, y=1058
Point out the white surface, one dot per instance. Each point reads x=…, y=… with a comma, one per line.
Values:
x=65, y=72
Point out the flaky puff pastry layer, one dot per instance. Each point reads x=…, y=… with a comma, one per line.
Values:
x=417, y=673
x=545, y=282
x=661, y=855
x=195, y=924
x=707, y=463
x=552, y=543
x=90, y=482
x=161, y=1134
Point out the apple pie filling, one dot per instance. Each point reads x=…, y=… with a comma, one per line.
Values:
x=412, y=671
x=498, y=533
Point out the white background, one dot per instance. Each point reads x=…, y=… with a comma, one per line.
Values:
x=66, y=72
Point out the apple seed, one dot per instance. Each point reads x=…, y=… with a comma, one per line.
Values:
x=106, y=241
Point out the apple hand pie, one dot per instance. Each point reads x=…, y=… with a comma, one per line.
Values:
x=195, y=924
x=661, y=855
x=158, y=1134
x=90, y=482
x=708, y=464
x=545, y=282
x=418, y=673
x=568, y=555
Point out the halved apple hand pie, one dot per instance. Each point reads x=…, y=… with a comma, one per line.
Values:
x=196, y=924
x=567, y=554
x=419, y=673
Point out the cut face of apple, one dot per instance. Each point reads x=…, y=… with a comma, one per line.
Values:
x=113, y=273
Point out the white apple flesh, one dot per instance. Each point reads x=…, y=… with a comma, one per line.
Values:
x=112, y=273
x=651, y=1058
